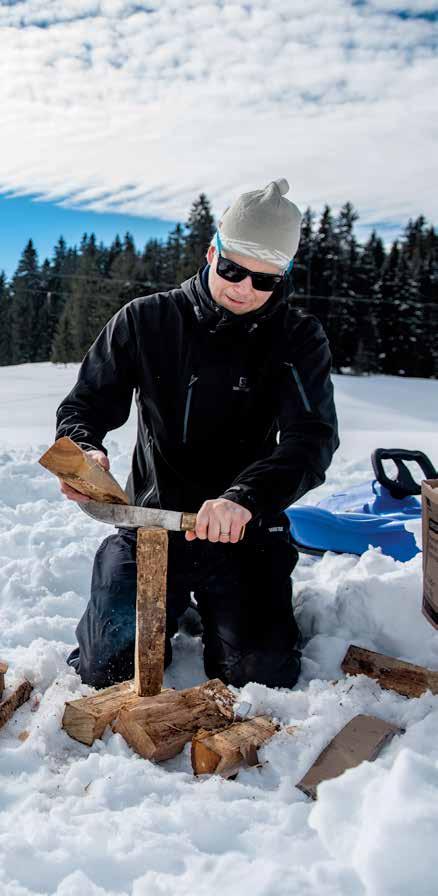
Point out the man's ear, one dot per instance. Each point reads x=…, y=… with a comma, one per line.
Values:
x=211, y=252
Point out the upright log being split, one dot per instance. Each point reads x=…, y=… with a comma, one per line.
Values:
x=152, y=546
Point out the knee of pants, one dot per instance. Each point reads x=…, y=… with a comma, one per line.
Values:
x=271, y=669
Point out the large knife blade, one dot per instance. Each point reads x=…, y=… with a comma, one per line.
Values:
x=133, y=517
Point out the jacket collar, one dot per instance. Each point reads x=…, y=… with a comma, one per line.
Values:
x=216, y=318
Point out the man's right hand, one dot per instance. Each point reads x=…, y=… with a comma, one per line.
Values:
x=71, y=493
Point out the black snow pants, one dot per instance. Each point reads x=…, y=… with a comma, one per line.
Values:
x=243, y=593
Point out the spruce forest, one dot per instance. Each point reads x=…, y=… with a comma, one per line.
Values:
x=378, y=306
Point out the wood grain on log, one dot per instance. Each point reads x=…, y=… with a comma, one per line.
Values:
x=69, y=462
x=224, y=752
x=159, y=727
x=362, y=739
x=391, y=673
x=152, y=547
x=16, y=699
x=3, y=670
x=86, y=719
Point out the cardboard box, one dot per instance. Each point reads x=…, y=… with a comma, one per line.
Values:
x=429, y=501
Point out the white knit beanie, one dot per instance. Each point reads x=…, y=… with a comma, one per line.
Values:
x=263, y=224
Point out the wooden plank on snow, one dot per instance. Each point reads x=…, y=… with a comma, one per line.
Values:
x=361, y=739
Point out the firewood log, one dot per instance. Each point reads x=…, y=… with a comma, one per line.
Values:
x=69, y=462
x=159, y=727
x=362, y=739
x=86, y=719
x=391, y=673
x=224, y=752
x=3, y=670
x=16, y=699
x=151, y=610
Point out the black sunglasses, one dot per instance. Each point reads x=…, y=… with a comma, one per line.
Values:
x=235, y=273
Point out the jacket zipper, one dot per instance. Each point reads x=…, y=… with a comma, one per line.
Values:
x=299, y=385
x=146, y=492
x=193, y=380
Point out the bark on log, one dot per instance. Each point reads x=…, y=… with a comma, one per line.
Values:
x=362, y=739
x=3, y=670
x=86, y=719
x=224, y=752
x=16, y=699
x=150, y=632
x=69, y=462
x=159, y=727
x=391, y=673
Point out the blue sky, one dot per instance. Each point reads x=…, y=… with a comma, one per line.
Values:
x=117, y=115
x=44, y=222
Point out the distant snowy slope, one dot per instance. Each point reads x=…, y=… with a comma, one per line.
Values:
x=103, y=822
x=372, y=409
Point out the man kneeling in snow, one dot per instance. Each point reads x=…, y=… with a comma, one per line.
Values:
x=236, y=420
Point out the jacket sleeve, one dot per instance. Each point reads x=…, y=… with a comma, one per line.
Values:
x=308, y=434
x=101, y=399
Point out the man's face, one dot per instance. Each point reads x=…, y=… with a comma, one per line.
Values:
x=240, y=298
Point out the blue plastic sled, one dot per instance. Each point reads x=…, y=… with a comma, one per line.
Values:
x=374, y=513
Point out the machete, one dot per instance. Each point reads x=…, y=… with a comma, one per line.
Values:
x=132, y=517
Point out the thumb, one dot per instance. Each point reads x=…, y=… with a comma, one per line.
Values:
x=103, y=461
x=99, y=457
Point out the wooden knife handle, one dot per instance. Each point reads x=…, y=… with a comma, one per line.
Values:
x=188, y=523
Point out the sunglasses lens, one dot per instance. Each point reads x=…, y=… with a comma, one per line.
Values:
x=265, y=282
x=234, y=273
x=229, y=271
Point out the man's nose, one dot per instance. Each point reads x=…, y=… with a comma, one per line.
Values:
x=244, y=286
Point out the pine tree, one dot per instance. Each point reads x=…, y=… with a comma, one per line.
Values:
x=27, y=296
x=63, y=348
x=153, y=260
x=174, y=257
x=5, y=342
x=302, y=270
x=200, y=230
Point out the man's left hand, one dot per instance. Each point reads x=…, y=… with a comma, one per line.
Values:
x=220, y=520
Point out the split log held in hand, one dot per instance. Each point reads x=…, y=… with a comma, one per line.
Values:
x=73, y=465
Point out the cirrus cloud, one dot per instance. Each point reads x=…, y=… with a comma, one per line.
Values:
x=138, y=106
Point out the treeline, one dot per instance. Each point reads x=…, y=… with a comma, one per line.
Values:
x=378, y=306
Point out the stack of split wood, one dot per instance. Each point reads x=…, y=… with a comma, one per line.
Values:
x=159, y=726
x=16, y=698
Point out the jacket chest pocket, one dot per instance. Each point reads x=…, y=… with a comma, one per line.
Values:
x=215, y=401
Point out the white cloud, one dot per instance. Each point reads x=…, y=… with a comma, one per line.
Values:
x=114, y=106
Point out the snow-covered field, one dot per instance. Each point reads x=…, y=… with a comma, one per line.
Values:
x=98, y=822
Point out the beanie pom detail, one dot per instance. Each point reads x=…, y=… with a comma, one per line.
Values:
x=282, y=185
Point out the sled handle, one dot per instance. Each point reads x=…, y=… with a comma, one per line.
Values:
x=404, y=484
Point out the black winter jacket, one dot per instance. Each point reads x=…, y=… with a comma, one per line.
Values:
x=239, y=406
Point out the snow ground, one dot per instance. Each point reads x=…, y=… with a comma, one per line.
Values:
x=99, y=822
